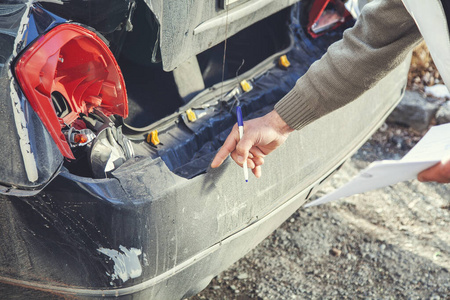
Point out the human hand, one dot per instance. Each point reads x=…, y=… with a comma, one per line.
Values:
x=261, y=137
x=439, y=172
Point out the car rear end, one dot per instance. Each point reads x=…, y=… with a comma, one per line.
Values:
x=132, y=209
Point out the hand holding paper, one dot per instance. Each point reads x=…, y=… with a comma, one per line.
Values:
x=438, y=173
x=432, y=148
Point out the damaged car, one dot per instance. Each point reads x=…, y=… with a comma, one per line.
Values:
x=112, y=111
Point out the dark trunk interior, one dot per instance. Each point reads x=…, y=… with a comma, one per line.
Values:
x=153, y=93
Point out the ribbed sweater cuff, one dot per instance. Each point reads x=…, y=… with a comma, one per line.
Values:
x=297, y=111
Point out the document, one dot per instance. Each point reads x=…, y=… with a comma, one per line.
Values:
x=432, y=148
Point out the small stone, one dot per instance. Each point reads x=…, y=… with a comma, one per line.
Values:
x=443, y=113
x=335, y=252
x=242, y=276
x=216, y=287
x=438, y=91
x=351, y=256
x=384, y=127
x=398, y=141
x=233, y=287
x=426, y=77
x=414, y=111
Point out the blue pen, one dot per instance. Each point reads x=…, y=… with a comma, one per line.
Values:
x=240, y=122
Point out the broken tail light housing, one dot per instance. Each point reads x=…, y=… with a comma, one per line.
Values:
x=67, y=72
x=326, y=15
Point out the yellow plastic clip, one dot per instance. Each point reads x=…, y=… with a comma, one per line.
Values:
x=246, y=86
x=284, y=62
x=191, y=115
x=153, y=138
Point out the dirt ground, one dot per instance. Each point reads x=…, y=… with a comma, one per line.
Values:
x=391, y=243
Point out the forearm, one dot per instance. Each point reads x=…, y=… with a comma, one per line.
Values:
x=380, y=40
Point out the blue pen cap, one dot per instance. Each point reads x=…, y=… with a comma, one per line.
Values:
x=239, y=116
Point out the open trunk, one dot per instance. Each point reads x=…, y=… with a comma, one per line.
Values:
x=208, y=87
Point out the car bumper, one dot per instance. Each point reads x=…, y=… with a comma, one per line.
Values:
x=182, y=232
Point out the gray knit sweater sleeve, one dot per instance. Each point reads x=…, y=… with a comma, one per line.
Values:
x=380, y=40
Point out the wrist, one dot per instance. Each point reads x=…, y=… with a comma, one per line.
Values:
x=275, y=121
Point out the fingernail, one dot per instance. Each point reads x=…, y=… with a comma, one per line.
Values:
x=240, y=159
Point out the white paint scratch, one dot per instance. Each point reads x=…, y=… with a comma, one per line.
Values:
x=126, y=262
x=19, y=116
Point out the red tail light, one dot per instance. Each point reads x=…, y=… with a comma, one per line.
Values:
x=326, y=15
x=72, y=62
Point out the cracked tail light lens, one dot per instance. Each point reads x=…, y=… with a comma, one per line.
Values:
x=73, y=63
x=326, y=15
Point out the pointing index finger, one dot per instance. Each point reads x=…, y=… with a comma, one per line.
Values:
x=228, y=146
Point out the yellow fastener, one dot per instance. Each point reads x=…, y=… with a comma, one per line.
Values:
x=246, y=86
x=284, y=62
x=153, y=138
x=191, y=115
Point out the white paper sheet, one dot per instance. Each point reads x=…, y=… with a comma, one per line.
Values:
x=432, y=148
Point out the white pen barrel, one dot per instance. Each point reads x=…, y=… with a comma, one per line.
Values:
x=244, y=165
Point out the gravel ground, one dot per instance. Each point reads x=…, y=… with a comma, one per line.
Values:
x=392, y=243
